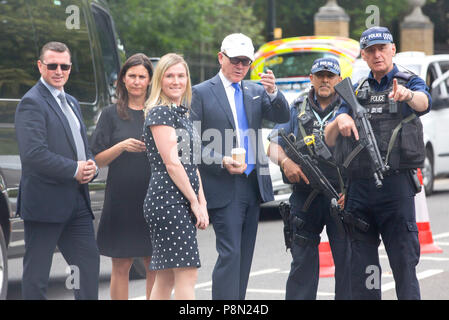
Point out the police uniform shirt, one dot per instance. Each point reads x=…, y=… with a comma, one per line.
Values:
x=414, y=84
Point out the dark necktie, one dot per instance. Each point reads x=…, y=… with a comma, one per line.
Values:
x=243, y=129
x=76, y=133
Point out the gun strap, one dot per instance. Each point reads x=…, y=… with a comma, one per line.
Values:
x=360, y=84
x=310, y=198
x=359, y=147
x=396, y=132
x=300, y=126
x=340, y=181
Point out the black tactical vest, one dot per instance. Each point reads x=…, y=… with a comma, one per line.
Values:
x=309, y=120
x=309, y=123
x=400, y=139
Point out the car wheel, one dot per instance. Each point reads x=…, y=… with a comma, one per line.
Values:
x=427, y=172
x=3, y=267
x=137, y=269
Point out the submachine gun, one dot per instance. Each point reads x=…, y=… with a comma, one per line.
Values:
x=367, y=140
x=309, y=164
x=318, y=182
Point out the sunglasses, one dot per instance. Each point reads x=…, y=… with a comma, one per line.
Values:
x=245, y=62
x=54, y=66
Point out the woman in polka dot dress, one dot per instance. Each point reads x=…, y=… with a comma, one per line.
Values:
x=175, y=204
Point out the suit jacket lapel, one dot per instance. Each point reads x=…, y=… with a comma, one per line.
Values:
x=220, y=93
x=57, y=109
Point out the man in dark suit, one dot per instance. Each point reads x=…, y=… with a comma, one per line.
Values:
x=53, y=195
x=230, y=111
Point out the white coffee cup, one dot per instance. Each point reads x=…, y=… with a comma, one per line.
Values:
x=238, y=154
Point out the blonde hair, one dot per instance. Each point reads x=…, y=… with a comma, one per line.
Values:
x=157, y=96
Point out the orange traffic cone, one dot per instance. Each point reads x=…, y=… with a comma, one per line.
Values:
x=422, y=220
x=327, y=266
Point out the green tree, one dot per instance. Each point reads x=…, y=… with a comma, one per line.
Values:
x=438, y=12
x=196, y=28
x=296, y=17
x=193, y=28
x=391, y=13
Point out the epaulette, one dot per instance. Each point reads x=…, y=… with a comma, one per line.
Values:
x=404, y=75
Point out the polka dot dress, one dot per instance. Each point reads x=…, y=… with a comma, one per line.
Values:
x=166, y=210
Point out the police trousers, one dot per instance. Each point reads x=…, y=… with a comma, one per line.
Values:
x=302, y=282
x=390, y=212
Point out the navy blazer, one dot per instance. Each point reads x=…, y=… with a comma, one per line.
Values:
x=48, y=190
x=212, y=115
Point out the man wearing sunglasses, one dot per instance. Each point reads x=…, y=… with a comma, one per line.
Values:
x=53, y=195
x=234, y=108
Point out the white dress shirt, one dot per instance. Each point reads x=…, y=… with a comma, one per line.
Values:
x=230, y=91
x=55, y=92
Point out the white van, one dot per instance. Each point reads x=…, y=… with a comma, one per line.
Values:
x=434, y=69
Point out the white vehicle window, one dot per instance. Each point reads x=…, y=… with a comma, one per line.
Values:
x=108, y=43
x=444, y=65
x=430, y=78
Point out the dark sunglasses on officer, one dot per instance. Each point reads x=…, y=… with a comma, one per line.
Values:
x=54, y=66
x=245, y=61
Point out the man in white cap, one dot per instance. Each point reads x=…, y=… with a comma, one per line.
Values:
x=234, y=190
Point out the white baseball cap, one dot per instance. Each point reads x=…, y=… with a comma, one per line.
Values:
x=236, y=45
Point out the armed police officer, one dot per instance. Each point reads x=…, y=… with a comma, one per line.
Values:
x=394, y=101
x=310, y=210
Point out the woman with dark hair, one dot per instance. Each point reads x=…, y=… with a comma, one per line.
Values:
x=123, y=234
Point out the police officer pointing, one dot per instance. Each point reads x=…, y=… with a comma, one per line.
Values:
x=311, y=211
x=395, y=100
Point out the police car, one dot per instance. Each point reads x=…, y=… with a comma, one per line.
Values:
x=434, y=69
x=290, y=60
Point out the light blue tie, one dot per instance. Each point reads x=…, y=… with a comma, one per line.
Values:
x=76, y=133
x=243, y=129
